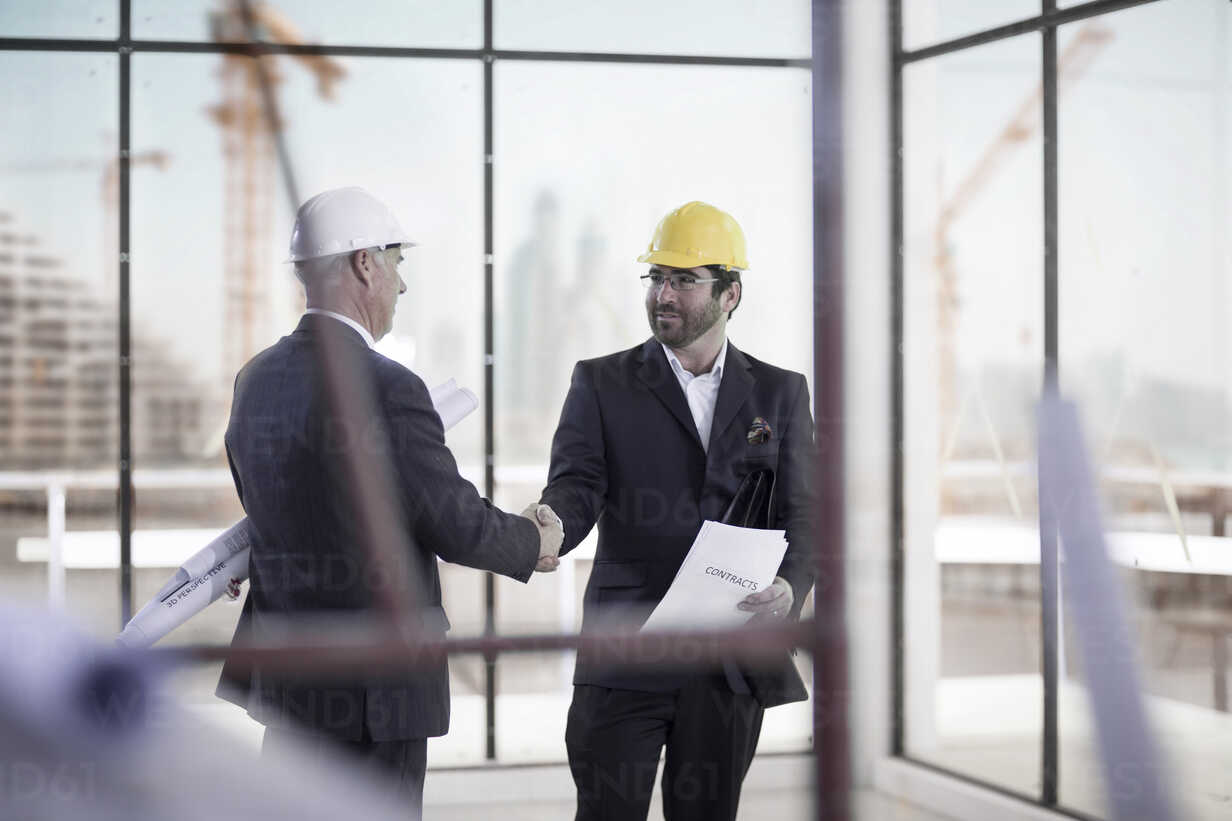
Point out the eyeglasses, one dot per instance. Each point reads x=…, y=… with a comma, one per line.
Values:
x=680, y=282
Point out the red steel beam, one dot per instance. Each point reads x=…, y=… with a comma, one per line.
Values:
x=830, y=682
x=371, y=644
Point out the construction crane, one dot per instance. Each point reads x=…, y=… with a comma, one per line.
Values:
x=1071, y=65
x=249, y=175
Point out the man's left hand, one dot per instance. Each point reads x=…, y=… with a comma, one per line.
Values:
x=772, y=603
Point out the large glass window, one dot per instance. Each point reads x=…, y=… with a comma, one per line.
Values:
x=773, y=28
x=933, y=21
x=973, y=358
x=60, y=18
x=1143, y=112
x=411, y=23
x=59, y=413
x=215, y=142
x=1145, y=273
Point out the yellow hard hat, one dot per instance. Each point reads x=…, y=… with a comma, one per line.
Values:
x=697, y=234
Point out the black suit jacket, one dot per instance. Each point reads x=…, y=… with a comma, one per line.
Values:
x=287, y=452
x=627, y=455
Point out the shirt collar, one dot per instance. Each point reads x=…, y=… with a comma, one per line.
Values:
x=359, y=329
x=716, y=371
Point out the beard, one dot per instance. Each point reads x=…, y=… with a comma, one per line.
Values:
x=686, y=327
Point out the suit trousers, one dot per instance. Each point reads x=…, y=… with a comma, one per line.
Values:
x=400, y=763
x=614, y=740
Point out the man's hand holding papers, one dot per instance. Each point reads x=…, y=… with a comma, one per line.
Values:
x=715, y=587
x=772, y=603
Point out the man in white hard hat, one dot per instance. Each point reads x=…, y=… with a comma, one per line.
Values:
x=653, y=441
x=292, y=459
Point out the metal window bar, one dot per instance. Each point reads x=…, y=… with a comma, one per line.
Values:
x=489, y=373
x=1059, y=17
x=1049, y=19
x=125, y=496
x=1050, y=593
x=897, y=397
x=318, y=49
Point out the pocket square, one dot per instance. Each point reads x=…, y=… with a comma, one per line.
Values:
x=759, y=432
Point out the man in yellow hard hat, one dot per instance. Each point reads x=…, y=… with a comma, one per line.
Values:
x=652, y=442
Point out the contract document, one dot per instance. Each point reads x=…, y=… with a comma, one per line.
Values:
x=724, y=565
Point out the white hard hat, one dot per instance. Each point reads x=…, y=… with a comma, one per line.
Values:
x=343, y=220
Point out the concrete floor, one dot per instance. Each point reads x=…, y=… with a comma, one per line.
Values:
x=777, y=787
x=755, y=806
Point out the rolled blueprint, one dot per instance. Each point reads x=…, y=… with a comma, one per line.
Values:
x=205, y=577
x=201, y=580
x=453, y=405
x=441, y=391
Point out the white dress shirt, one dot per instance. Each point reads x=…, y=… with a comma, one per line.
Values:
x=701, y=391
x=346, y=319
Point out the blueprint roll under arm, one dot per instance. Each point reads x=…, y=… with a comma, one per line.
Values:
x=201, y=580
x=206, y=576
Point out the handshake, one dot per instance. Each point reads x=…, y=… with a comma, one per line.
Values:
x=551, y=535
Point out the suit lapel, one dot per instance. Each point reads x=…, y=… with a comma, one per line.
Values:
x=656, y=373
x=735, y=388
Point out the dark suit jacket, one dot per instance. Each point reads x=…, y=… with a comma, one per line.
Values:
x=287, y=456
x=627, y=455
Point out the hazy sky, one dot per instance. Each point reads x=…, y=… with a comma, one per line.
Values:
x=1144, y=181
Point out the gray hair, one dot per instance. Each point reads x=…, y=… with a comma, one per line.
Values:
x=322, y=270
